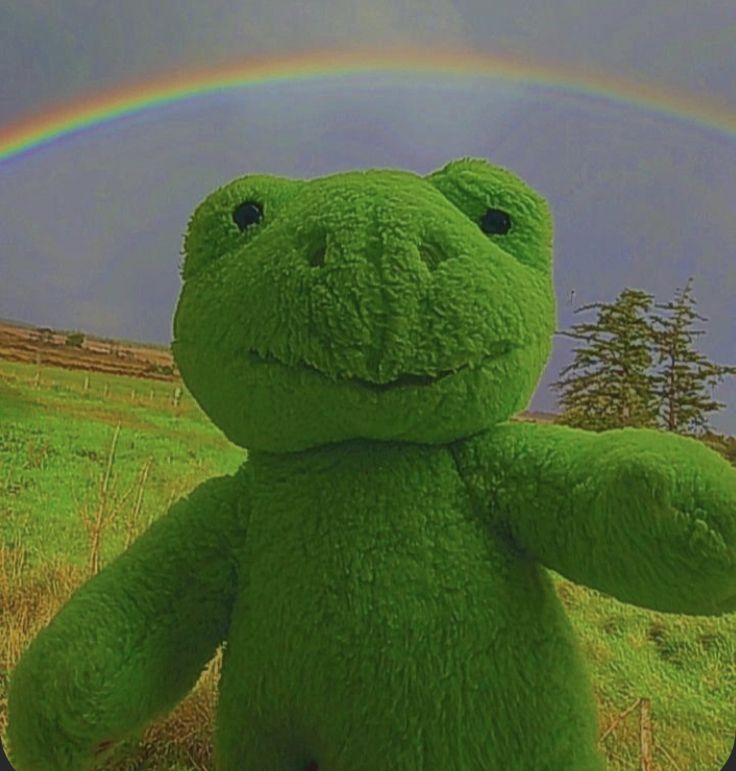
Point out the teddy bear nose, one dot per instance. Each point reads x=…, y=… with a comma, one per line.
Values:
x=316, y=256
x=430, y=254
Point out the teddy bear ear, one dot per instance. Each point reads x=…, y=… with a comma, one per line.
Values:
x=464, y=162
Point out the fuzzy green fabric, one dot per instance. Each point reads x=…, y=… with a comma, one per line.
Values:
x=377, y=567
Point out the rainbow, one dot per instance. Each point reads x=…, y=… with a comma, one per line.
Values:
x=96, y=108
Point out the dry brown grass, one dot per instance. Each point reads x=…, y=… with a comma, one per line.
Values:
x=29, y=598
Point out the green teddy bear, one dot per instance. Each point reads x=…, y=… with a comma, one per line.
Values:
x=377, y=567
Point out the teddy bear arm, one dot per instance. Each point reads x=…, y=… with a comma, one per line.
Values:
x=646, y=516
x=133, y=640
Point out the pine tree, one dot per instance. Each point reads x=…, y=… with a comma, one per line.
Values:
x=685, y=383
x=610, y=386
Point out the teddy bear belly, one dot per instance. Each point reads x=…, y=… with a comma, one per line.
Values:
x=476, y=676
x=382, y=626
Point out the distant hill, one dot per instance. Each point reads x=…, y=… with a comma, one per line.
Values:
x=43, y=345
x=13, y=323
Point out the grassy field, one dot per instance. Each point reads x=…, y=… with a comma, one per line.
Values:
x=57, y=523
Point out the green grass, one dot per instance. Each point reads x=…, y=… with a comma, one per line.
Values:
x=685, y=665
x=54, y=443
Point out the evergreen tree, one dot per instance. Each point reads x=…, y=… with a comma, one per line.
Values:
x=685, y=383
x=610, y=386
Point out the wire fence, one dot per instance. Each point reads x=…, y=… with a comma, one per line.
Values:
x=98, y=384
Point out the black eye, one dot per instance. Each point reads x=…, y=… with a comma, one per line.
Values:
x=495, y=222
x=246, y=214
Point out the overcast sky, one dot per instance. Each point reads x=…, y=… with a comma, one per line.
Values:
x=91, y=225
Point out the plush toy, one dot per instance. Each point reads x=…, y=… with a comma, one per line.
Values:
x=377, y=566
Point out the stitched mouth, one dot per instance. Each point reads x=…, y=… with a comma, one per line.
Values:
x=403, y=380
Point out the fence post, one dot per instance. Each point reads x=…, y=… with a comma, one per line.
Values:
x=37, y=380
x=645, y=722
x=617, y=720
